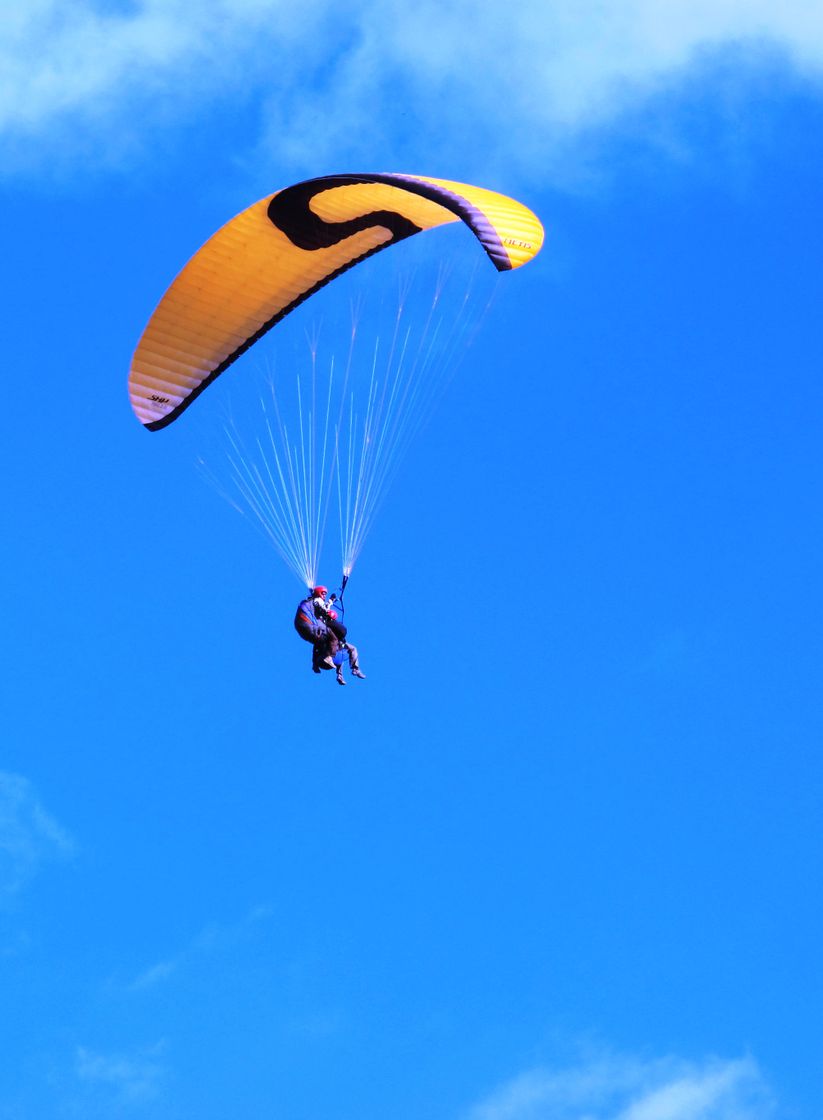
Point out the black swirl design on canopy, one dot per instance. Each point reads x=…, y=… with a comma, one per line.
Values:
x=291, y=212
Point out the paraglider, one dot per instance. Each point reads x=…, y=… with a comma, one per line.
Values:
x=280, y=251
x=248, y=277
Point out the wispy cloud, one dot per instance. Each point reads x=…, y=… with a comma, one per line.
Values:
x=212, y=938
x=155, y=974
x=623, y=1088
x=338, y=83
x=121, y=1079
x=29, y=835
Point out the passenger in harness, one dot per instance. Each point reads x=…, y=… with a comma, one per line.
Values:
x=316, y=621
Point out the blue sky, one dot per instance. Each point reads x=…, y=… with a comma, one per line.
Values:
x=559, y=856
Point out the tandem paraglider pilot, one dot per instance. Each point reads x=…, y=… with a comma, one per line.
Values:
x=316, y=621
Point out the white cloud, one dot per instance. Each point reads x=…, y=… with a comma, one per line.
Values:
x=621, y=1088
x=59, y=58
x=29, y=836
x=213, y=938
x=154, y=975
x=121, y=1079
x=338, y=83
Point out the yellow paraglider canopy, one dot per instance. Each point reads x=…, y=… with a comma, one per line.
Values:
x=274, y=255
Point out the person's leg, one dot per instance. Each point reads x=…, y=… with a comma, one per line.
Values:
x=354, y=661
x=338, y=629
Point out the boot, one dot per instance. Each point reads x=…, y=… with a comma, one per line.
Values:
x=340, y=679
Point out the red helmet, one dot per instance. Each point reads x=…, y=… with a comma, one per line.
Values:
x=321, y=590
